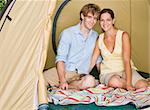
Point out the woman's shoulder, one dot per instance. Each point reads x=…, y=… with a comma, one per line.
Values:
x=101, y=35
x=122, y=33
x=124, y=36
x=100, y=39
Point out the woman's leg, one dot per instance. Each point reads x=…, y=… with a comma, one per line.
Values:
x=141, y=84
x=138, y=81
x=117, y=81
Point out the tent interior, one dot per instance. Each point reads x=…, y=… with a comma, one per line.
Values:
x=26, y=48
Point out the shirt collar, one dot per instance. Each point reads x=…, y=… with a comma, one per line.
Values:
x=77, y=29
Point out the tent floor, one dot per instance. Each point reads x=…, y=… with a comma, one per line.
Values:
x=91, y=107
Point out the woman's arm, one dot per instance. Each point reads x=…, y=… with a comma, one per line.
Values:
x=126, y=45
x=95, y=55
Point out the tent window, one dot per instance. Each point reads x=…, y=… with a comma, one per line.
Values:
x=2, y=4
x=54, y=25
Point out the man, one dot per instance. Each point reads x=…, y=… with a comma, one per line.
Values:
x=74, y=53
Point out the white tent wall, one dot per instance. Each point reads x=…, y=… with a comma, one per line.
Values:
x=23, y=50
x=131, y=16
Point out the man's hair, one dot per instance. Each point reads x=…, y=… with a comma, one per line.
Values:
x=89, y=8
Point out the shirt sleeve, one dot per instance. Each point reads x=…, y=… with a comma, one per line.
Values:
x=63, y=46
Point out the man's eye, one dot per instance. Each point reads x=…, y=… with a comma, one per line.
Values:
x=95, y=18
x=89, y=16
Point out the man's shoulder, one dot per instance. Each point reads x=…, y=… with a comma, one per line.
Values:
x=95, y=33
x=71, y=29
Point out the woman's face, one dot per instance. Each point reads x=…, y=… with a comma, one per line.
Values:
x=106, y=21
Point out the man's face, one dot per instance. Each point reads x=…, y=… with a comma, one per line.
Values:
x=89, y=20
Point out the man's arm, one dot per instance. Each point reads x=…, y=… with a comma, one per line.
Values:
x=61, y=75
x=61, y=58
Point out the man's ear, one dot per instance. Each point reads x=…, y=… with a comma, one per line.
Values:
x=82, y=16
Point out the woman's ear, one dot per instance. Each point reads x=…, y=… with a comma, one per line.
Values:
x=114, y=21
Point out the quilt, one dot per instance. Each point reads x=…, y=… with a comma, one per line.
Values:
x=101, y=95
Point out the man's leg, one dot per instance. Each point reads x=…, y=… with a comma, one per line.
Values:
x=74, y=80
x=51, y=77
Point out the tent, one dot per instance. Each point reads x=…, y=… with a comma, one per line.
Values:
x=26, y=48
x=23, y=50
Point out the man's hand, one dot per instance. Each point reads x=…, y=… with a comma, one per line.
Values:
x=63, y=85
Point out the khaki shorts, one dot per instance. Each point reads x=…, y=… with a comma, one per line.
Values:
x=104, y=78
x=51, y=76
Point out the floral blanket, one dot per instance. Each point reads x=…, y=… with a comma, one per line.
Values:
x=101, y=96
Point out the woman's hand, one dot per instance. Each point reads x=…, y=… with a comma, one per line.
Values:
x=130, y=87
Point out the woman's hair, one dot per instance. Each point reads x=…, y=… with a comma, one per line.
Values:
x=90, y=8
x=107, y=10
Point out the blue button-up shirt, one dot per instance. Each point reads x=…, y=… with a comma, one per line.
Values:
x=76, y=50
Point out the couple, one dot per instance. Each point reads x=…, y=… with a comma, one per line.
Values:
x=80, y=49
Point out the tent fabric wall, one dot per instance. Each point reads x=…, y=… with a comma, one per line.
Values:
x=23, y=50
x=140, y=34
x=43, y=55
x=149, y=36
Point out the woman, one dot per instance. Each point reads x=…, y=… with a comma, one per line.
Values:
x=117, y=69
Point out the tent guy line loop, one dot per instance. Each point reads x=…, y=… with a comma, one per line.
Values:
x=3, y=11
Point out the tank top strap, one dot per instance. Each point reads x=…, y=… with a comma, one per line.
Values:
x=100, y=40
x=119, y=38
